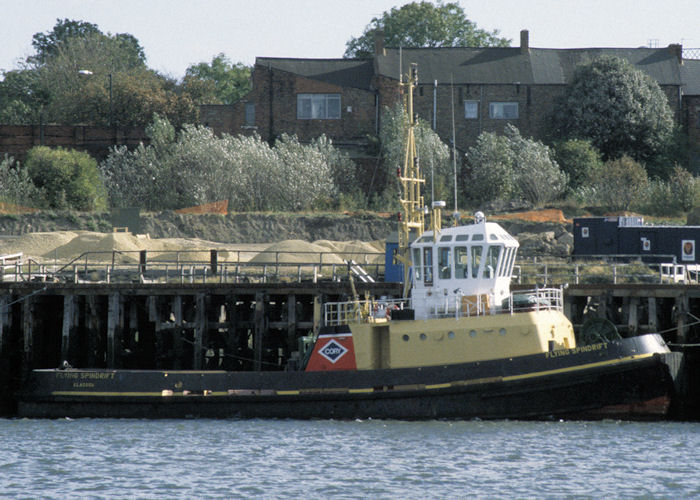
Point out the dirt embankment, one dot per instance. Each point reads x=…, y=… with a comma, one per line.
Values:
x=551, y=236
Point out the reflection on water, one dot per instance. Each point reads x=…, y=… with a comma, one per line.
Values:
x=346, y=459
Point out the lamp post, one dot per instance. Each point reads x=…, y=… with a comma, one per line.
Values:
x=88, y=72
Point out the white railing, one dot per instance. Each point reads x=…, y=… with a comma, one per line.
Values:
x=361, y=311
x=379, y=311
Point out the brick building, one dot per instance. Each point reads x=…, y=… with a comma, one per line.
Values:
x=490, y=87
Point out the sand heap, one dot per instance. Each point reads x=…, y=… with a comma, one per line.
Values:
x=64, y=246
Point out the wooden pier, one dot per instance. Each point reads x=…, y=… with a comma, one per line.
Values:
x=253, y=326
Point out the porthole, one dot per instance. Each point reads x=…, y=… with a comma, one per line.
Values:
x=502, y=331
x=423, y=336
x=405, y=338
x=450, y=335
x=472, y=333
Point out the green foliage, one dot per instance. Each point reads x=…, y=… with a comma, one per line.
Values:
x=220, y=81
x=617, y=184
x=22, y=96
x=577, y=158
x=683, y=187
x=75, y=71
x=620, y=109
x=491, y=175
x=511, y=166
x=423, y=24
x=197, y=167
x=46, y=44
x=15, y=184
x=432, y=152
x=68, y=179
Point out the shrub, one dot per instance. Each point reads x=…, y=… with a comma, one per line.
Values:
x=577, y=158
x=197, y=167
x=68, y=179
x=619, y=183
x=15, y=184
x=511, y=166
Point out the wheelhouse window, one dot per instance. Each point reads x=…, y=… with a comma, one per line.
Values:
x=492, y=255
x=471, y=110
x=416, y=264
x=428, y=265
x=318, y=106
x=503, y=110
x=461, y=267
x=444, y=266
x=476, y=260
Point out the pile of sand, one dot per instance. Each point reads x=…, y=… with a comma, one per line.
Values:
x=355, y=250
x=296, y=252
x=37, y=246
x=64, y=246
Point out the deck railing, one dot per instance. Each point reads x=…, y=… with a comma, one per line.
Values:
x=457, y=306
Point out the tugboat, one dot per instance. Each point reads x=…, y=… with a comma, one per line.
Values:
x=460, y=345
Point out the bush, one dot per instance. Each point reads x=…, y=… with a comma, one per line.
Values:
x=15, y=184
x=577, y=158
x=68, y=179
x=618, y=184
x=511, y=166
x=197, y=167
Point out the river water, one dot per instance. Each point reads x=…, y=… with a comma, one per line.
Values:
x=98, y=458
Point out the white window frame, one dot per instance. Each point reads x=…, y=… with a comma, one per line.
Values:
x=318, y=106
x=471, y=110
x=504, y=110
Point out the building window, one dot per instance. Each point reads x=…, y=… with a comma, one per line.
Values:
x=471, y=109
x=318, y=106
x=250, y=114
x=503, y=110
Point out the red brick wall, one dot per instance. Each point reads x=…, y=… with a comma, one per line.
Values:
x=16, y=140
x=274, y=95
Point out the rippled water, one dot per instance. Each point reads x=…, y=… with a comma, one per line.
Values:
x=353, y=459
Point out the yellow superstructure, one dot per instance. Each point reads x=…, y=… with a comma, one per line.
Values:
x=403, y=344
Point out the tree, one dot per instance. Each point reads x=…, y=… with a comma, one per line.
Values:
x=229, y=81
x=68, y=179
x=578, y=158
x=22, y=97
x=510, y=166
x=51, y=86
x=46, y=44
x=423, y=24
x=432, y=152
x=620, y=109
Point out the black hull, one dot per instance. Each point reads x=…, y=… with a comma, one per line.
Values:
x=627, y=379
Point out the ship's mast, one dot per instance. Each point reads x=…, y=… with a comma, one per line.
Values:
x=412, y=216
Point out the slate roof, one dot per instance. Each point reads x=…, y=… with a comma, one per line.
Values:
x=489, y=65
x=354, y=73
x=509, y=65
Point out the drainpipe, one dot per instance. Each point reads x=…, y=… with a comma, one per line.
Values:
x=435, y=105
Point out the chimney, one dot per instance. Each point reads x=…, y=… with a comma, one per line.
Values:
x=524, y=41
x=677, y=50
x=379, y=43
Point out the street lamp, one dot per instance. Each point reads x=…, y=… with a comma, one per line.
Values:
x=88, y=72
